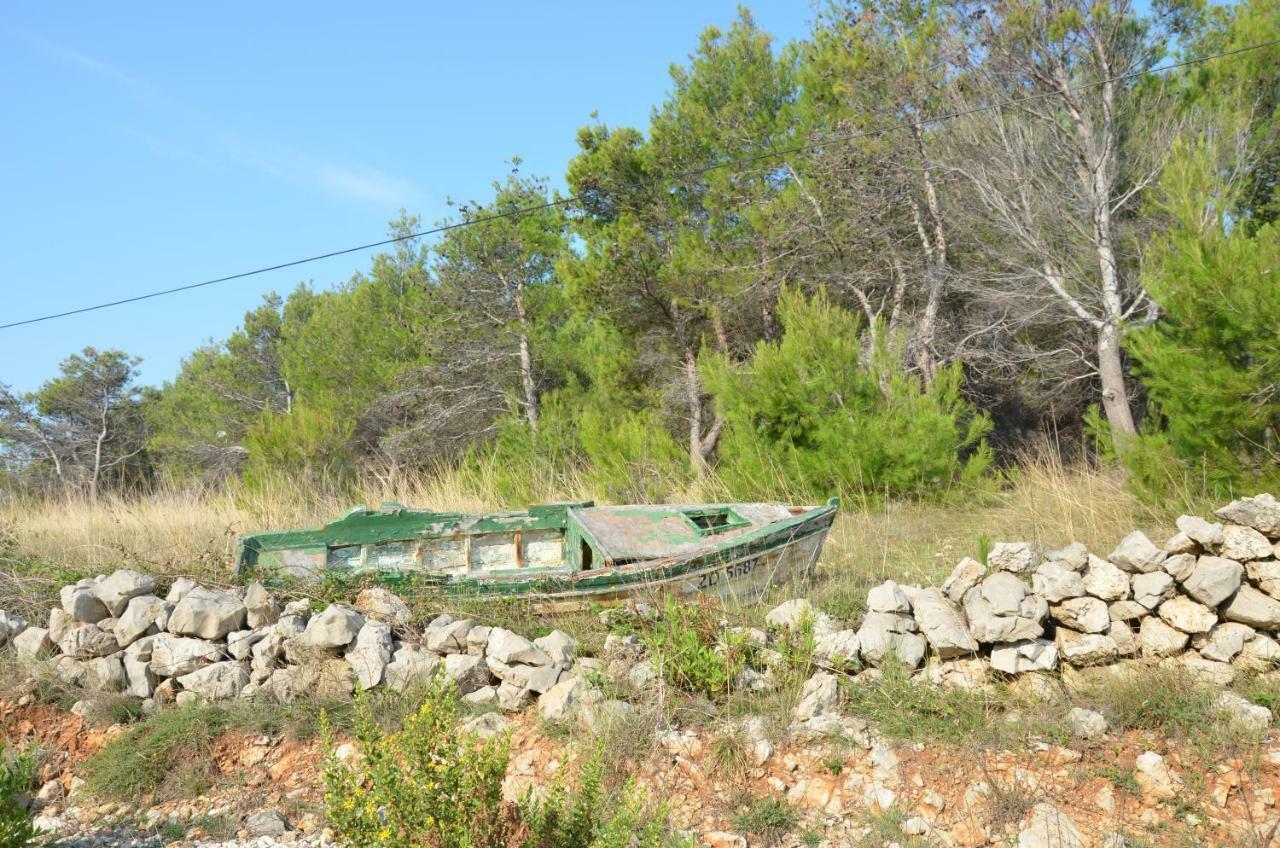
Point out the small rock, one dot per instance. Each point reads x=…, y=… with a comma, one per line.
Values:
x=1262, y=513
x=450, y=637
x=122, y=586
x=218, y=682
x=1152, y=589
x=370, y=653
x=967, y=574
x=1249, y=606
x=510, y=648
x=943, y=625
x=1180, y=566
x=1244, y=711
x=1055, y=582
x=1244, y=544
x=1088, y=615
x=80, y=602
x=1087, y=724
x=410, y=667
x=1154, y=777
x=1025, y=656
x=381, y=604
x=207, y=614
x=1050, y=827
x=1187, y=615
x=1158, y=639
x=336, y=627
x=88, y=641
x=1016, y=557
x=1213, y=580
x=261, y=609
x=560, y=646
x=1085, y=649
x=820, y=694
x=1204, y=533
x=1104, y=580
x=888, y=597
x=1225, y=641
x=266, y=823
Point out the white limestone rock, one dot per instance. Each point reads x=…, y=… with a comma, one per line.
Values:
x=1025, y=656
x=966, y=575
x=1187, y=615
x=1243, y=711
x=1085, y=649
x=1204, y=533
x=122, y=586
x=81, y=603
x=1180, y=565
x=138, y=619
x=1002, y=609
x=1209, y=672
x=218, y=682
x=467, y=672
x=33, y=644
x=411, y=667
x=1015, y=557
x=1074, y=556
x=448, y=638
x=1244, y=544
x=560, y=646
x=1137, y=554
x=207, y=614
x=1152, y=589
x=840, y=648
x=261, y=609
x=381, y=604
x=1262, y=513
x=820, y=695
x=888, y=597
x=370, y=653
x=1213, y=580
x=942, y=625
x=1225, y=641
x=174, y=656
x=1158, y=639
x=1261, y=653
x=1088, y=615
x=1104, y=580
x=336, y=627
x=1054, y=581
x=885, y=633
x=511, y=648
x=1087, y=724
x=1254, y=608
x=88, y=641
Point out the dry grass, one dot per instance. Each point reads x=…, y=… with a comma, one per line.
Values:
x=177, y=533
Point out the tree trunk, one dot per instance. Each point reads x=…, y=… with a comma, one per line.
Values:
x=1115, y=396
x=526, y=363
x=693, y=389
x=935, y=244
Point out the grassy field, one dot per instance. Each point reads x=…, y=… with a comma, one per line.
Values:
x=45, y=543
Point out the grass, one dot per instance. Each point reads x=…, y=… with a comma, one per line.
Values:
x=166, y=756
x=768, y=818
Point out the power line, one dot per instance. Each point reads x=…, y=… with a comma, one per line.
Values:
x=695, y=172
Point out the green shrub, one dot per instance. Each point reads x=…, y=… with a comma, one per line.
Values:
x=683, y=643
x=820, y=413
x=17, y=780
x=768, y=819
x=431, y=785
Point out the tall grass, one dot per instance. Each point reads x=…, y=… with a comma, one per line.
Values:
x=174, y=532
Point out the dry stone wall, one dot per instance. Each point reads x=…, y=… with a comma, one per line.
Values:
x=1207, y=599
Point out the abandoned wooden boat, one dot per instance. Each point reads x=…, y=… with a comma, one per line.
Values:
x=558, y=554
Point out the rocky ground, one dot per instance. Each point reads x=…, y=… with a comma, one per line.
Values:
x=1013, y=640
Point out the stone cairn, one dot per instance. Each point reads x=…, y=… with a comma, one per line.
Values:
x=1207, y=599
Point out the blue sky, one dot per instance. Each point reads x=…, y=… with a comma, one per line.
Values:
x=148, y=146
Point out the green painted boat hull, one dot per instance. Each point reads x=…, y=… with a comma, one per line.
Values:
x=557, y=555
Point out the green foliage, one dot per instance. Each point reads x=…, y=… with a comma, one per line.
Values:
x=426, y=785
x=17, y=782
x=1211, y=364
x=816, y=413
x=308, y=444
x=168, y=754
x=431, y=785
x=683, y=643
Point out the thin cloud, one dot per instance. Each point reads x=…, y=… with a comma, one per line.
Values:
x=344, y=180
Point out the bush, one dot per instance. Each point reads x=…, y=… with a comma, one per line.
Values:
x=431, y=785
x=820, y=413
x=17, y=780
x=683, y=642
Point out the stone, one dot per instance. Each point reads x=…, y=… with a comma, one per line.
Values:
x=510, y=648
x=1180, y=566
x=266, y=823
x=886, y=633
x=1050, y=827
x=1025, y=656
x=1017, y=557
x=1137, y=554
x=140, y=682
x=324, y=680
x=467, y=672
x=1088, y=615
x=240, y=643
x=1260, y=653
x=1158, y=639
x=478, y=639
x=1074, y=556
x=888, y=597
x=1244, y=544
x=370, y=653
x=483, y=696
x=207, y=614
x=942, y=624
x=1249, y=606
x=261, y=609
x=1187, y=615
x=69, y=671
x=174, y=656
x=81, y=603
x=218, y=682
x=32, y=644
x=61, y=623
x=969, y=675
x=411, y=667
x=106, y=674
x=839, y=648
x=820, y=694
x=1225, y=641
x=1127, y=611
x=336, y=627
x=88, y=641
x=1243, y=711
x=138, y=619
x=1152, y=589
x=1154, y=778
x=1213, y=580
x=967, y=574
x=486, y=725
x=1055, y=582
x=1262, y=513
x=1126, y=640
x=560, y=646
x=600, y=717
x=450, y=638
x=560, y=702
x=512, y=697
x=1085, y=649
x=1206, y=671
x=1180, y=543
x=790, y=615
x=643, y=676
x=1104, y=580
x=1002, y=609
x=381, y=604
x=122, y=586
x=1204, y=533
x=179, y=589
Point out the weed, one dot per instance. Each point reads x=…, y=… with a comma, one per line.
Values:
x=810, y=839
x=1122, y=779
x=17, y=780
x=835, y=765
x=768, y=819
x=728, y=749
x=168, y=754
x=885, y=827
x=684, y=642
